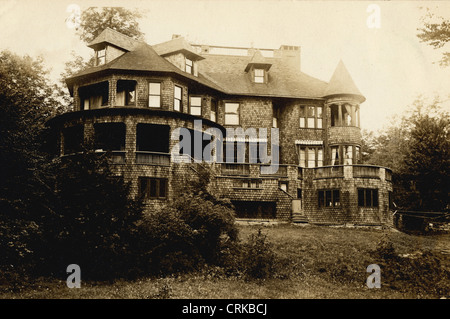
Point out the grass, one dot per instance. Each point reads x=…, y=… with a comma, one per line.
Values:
x=313, y=262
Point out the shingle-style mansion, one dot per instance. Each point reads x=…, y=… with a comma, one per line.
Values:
x=136, y=96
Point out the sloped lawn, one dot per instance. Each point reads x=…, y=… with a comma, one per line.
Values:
x=312, y=262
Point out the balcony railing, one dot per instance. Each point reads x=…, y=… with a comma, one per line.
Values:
x=329, y=172
x=115, y=157
x=153, y=158
x=235, y=169
x=366, y=171
x=281, y=171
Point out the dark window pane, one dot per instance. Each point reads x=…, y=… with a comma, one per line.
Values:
x=153, y=138
x=162, y=187
x=375, y=198
x=153, y=188
x=109, y=136
x=361, y=197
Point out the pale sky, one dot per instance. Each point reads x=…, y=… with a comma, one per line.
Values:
x=388, y=64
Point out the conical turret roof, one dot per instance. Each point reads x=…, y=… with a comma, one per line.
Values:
x=342, y=83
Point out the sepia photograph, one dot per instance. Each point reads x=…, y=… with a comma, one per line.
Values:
x=224, y=156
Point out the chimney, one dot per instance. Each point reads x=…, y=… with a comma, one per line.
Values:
x=290, y=55
x=175, y=36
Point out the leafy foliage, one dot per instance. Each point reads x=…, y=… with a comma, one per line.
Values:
x=94, y=221
x=190, y=231
x=26, y=102
x=416, y=147
x=436, y=32
x=95, y=20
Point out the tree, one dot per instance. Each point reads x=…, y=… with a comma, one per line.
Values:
x=95, y=20
x=94, y=220
x=26, y=102
x=436, y=32
x=416, y=147
x=427, y=161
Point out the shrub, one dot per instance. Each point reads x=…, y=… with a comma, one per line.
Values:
x=422, y=272
x=258, y=258
x=94, y=221
x=190, y=231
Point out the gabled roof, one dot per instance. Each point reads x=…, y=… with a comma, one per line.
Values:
x=115, y=38
x=342, y=83
x=176, y=45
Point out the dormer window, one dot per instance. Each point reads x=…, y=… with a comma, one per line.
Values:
x=259, y=76
x=189, y=66
x=101, y=56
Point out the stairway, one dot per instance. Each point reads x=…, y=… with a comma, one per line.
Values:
x=299, y=218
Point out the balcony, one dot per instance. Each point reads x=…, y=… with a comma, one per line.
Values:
x=152, y=158
x=365, y=171
x=281, y=171
x=235, y=169
x=329, y=172
x=115, y=157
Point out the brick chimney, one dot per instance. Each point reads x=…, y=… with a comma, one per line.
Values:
x=290, y=54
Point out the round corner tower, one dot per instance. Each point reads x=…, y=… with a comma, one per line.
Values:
x=342, y=107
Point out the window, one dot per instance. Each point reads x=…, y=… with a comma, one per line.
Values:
x=189, y=66
x=152, y=138
x=347, y=115
x=101, y=56
x=302, y=116
x=329, y=198
x=126, y=93
x=109, y=136
x=231, y=113
x=152, y=144
x=283, y=186
x=213, y=110
x=250, y=183
x=391, y=200
x=319, y=117
x=154, y=95
x=367, y=197
x=177, y=94
x=334, y=115
x=335, y=155
x=152, y=188
x=195, y=105
x=344, y=115
x=357, y=154
x=73, y=139
x=94, y=96
x=310, y=156
x=259, y=76
x=276, y=114
x=311, y=116
x=299, y=193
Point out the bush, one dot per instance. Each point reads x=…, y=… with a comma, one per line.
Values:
x=187, y=233
x=258, y=258
x=94, y=221
x=422, y=272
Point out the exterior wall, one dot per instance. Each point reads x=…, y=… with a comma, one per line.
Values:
x=255, y=112
x=290, y=130
x=348, y=212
